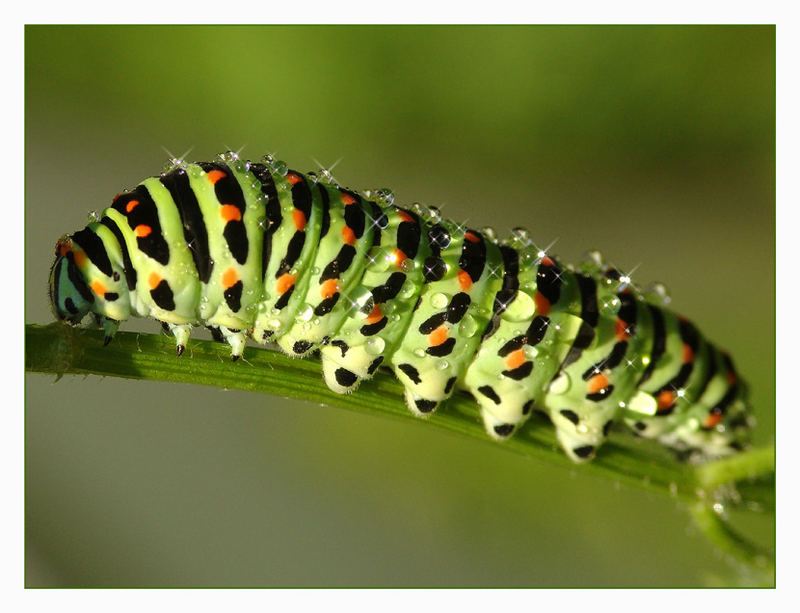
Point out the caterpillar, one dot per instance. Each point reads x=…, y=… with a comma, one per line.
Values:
x=257, y=250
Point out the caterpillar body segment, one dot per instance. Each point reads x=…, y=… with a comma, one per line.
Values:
x=257, y=250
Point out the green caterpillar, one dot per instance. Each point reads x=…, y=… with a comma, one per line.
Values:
x=257, y=250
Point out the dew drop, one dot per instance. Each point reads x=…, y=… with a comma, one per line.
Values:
x=419, y=352
x=560, y=385
x=609, y=306
x=385, y=197
x=530, y=352
x=434, y=215
x=305, y=313
x=468, y=327
x=593, y=261
x=520, y=235
x=521, y=308
x=658, y=294
x=375, y=346
x=325, y=176
x=490, y=233
x=439, y=300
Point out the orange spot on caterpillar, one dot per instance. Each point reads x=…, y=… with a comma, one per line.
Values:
x=348, y=199
x=80, y=257
x=299, y=219
x=215, y=175
x=712, y=420
x=293, y=178
x=542, y=304
x=229, y=212
x=730, y=377
x=597, y=383
x=375, y=315
x=229, y=278
x=621, y=330
x=284, y=282
x=63, y=246
x=405, y=216
x=98, y=288
x=464, y=280
x=131, y=205
x=438, y=336
x=329, y=288
x=348, y=236
x=142, y=230
x=399, y=257
x=547, y=261
x=515, y=359
x=471, y=236
x=153, y=280
x=665, y=399
x=688, y=354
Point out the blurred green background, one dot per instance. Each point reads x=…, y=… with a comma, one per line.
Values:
x=653, y=144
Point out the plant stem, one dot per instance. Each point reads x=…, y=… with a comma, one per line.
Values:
x=60, y=349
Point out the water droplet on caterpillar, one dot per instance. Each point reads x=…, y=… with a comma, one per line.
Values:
x=592, y=262
x=560, y=384
x=609, y=306
x=521, y=308
x=375, y=346
x=433, y=215
x=280, y=168
x=530, y=352
x=325, y=176
x=658, y=294
x=439, y=300
x=520, y=237
x=384, y=197
x=305, y=313
x=468, y=327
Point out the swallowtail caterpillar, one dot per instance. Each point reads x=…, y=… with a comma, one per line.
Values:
x=256, y=250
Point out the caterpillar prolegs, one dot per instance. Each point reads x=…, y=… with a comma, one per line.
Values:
x=258, y=250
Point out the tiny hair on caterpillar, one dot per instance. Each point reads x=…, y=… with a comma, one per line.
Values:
x=257, y=250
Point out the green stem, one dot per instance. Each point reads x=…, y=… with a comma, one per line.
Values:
x=59, y=349
x=756, y=559
x=748, y=465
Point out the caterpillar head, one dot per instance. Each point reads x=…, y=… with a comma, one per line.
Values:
x=70, y=296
